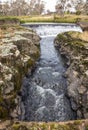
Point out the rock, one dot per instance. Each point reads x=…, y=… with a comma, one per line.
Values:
x=69, y=125
x=40, y=114
x=86, y=73
x=18, y=54
x=74, y=105
x=75, y=73
x=73, y=46
x=30, y=35
x=83, y=25
x=79, y=114
x=81, y=89
x=9, y=88
x=86, y=115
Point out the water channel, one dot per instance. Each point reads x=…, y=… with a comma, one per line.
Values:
x=44, y=92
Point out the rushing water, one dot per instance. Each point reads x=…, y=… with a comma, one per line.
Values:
x=44, y=92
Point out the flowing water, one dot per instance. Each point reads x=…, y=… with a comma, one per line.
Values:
x=44, y=92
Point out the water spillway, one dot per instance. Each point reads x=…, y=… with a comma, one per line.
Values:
x=44, y=92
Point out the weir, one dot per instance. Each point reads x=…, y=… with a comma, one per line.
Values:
x=44, y=92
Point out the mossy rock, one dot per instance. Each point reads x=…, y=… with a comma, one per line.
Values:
x=46, y=126
x=61, y=127
x=19, y=127
x=70, y=125
x=77, y=122
x=7, y=105
x=3, y=112
x=70, y=40
x=86, y=127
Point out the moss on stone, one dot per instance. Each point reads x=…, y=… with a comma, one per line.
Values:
x=86, y=127
x=30, y=62
x=74, y=47
x=47, y=126
x=3, y=112
x=62, y=127
x=62, y=37
x=19, y=127
x=77, y=122
x=70, y=125
x=18, y=64
x=69, y=40
x=3, y=109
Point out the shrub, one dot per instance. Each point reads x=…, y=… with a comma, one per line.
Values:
x=78, y=12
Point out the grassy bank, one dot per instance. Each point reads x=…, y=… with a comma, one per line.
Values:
x=49, y=18
x=54, y=18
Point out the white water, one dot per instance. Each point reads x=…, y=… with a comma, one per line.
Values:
x=52, y=31
x=44, y=93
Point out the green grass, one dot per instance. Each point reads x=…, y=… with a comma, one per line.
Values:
x=48, y=18
x=54, y=18
x=8, y=18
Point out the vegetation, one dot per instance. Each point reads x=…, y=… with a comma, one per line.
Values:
x=37, y=7
x=72, y=6
x=21, y=7
x=68, y=18
x=74, y=39
x=78, y=12
x=53, y=18
x=32, y=11
x=73, y=125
